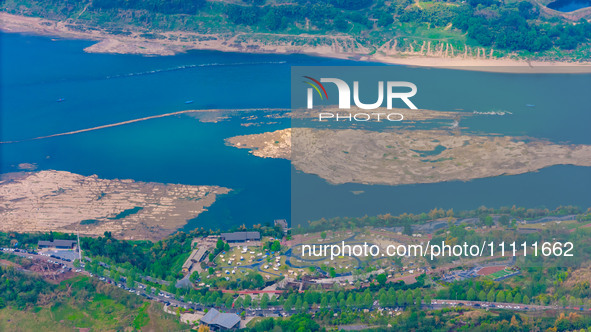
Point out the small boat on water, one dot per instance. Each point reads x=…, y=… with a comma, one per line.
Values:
x=530, y=105
x=59, y=100
x=188, y=102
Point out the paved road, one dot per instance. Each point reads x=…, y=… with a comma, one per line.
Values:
x=169, y=299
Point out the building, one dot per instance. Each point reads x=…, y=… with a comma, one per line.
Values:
x=241, y=236
x=195, y=257
x=57, y=244
x=184, y=283
x=281, y=223
x=220, y=321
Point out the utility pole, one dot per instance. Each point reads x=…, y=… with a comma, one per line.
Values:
x=79, y=247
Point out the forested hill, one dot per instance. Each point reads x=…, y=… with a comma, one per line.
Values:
x=498, y=27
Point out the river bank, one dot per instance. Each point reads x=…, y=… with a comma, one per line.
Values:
x=344, y=47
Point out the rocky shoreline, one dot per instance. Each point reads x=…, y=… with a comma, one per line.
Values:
x=52, y=200
x=408, y=156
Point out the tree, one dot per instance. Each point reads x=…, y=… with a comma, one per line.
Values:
x=500, y=296
x=276, y=246
x=491, y=296
x=509, y=297
x=273, y=20
x=340, y=24
x=517, y=298
x=264, y=301
x=247, y=300
x=409, y=298
x=194, y=276
x=381, y=279
x=239, y=303
x=471, y=295
x=482, y=296
x=527, y=10
x=400, y=299
x=385, y=19
x=504, y=220
x=525, y=299
x=219, y=245
x=383, y=300
x=367, y=300
x=428, y=300
x=418, y=302
x=350, y=300
x=299, y=304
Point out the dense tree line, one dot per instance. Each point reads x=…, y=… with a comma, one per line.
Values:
x=253, y=280
x=433, y=320
x=153, y=259
x=299, y=322
x=495, y=24
x=488, y=22
x=19, y=290
x=408, y=219
x=160, y=6
x=516, y=26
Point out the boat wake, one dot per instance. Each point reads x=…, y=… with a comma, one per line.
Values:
x=183, y=67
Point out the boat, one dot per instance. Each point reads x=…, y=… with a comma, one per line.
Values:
x=59, y=100
x=188, y=102
x=530, y=105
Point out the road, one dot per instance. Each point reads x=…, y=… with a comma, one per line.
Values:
x=169, y=299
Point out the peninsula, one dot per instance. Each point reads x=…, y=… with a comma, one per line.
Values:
x=408, y=156
x=62, y=201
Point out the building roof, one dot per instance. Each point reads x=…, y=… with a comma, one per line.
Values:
x=197, y=255
x=214, y=317
x=187, y=265
x=57, y=243
x=183, y=283
x=241, y=236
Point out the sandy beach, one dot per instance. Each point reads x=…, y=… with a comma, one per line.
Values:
x=344, y=47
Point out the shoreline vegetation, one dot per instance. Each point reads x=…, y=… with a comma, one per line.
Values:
x=343, y=47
